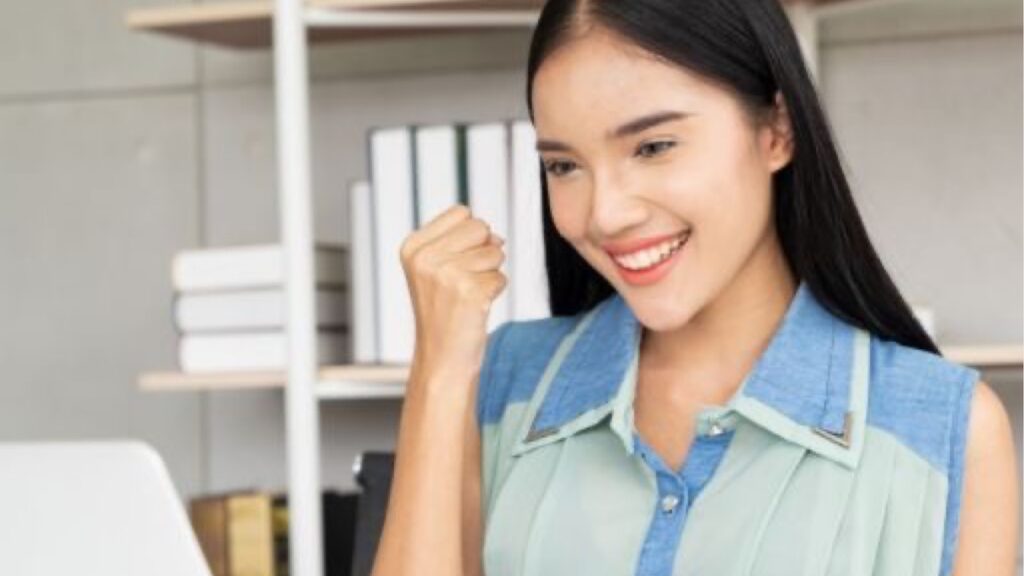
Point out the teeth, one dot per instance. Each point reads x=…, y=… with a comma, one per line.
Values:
x=650, y=256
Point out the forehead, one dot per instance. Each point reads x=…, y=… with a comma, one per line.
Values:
x=600, y=79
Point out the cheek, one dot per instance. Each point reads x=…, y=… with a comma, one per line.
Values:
x=569, y=214
x=737, y=217
x=729, y=203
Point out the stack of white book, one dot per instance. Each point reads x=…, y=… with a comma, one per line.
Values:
x=417, y=172
x=230, y=307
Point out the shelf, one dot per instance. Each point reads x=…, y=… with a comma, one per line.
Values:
x=348, y=382
x=364, y=381
x=247, y=25
x=169, y=381
x=987, y=356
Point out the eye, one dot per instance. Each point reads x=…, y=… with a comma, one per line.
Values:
x=654, y=146
x=552, y=167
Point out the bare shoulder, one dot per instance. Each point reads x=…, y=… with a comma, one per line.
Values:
x=989, y=432
x=989, y=424
x=989, y=518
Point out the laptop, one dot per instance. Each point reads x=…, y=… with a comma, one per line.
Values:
x=103, y=508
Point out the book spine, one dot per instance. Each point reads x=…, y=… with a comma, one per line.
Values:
x=392, y=178
x=250, y=535
x=363, y=295
x=528, y=275
x=249, y=267
x=209, y=521
x=488, y=163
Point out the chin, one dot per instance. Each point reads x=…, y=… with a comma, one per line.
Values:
x=657, y=311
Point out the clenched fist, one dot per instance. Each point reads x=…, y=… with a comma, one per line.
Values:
x=451, y=266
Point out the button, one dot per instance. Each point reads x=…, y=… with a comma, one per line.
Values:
x=715, y=429
x=669, y=503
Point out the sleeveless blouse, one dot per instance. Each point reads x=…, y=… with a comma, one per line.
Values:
x=840, y=454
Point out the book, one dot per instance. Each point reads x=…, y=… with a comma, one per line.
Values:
x=527, y=273
x=363, y=285
x=339, y=527
x=253, y=351
x=437, y=170
x=252, y=266
x=235, y=532
x=488, y=183
x=260, y=309
x=209, y=519
x=279, y=527
x=374, y=471
x=392, y=179
x=250, y=535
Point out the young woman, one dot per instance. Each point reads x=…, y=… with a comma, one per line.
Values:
x=730, y=382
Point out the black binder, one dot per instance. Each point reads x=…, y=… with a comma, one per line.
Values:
x=373, y=472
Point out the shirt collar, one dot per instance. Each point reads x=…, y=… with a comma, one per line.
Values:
x=808, y=386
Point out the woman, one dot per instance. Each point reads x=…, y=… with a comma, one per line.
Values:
x=730, y=382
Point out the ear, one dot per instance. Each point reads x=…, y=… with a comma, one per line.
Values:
x=781, y=145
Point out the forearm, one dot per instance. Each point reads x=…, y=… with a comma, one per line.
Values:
x=423, y=527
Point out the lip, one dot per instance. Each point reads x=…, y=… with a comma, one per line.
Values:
x=651, y=275
x=619, y=248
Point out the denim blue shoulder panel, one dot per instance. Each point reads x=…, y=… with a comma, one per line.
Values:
x=517, y=353
x=918, y=397
x=593, y=370
x=924, y=400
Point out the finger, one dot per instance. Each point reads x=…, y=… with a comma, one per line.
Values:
x=482, y=259
x=493, y=282
x=467, y=234
x=439, y=225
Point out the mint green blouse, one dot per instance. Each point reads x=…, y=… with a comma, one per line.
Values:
x=840, y=454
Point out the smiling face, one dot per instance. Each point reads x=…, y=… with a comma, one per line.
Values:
x=687, y=164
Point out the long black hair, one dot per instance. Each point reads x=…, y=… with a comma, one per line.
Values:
x=748, y=46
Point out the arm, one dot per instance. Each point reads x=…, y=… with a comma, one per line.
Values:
x=423, y=530
x=452, y=269
x=472, y=522
x=989, y=519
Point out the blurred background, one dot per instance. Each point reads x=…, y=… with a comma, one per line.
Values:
x=121, y=147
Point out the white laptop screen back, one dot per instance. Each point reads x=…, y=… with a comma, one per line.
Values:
x=92, y=508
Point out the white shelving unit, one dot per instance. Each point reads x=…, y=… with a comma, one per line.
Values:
x=287, y=27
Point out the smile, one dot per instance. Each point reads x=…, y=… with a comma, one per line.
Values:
x=647, y=266
x=651, y=257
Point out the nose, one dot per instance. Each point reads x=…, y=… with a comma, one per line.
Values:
x=616, y=205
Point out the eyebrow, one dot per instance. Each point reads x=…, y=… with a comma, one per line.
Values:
x=632, y=127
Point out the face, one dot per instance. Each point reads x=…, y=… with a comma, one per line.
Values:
x=670, y=211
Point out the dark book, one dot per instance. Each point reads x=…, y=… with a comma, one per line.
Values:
x=373, y=474
x=339, y=521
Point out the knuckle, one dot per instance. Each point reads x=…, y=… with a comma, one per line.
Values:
x=481, y=230
x=406, y=249
x=422, y=266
